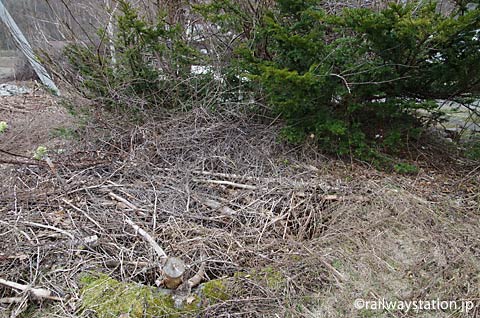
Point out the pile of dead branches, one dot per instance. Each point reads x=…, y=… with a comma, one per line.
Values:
x=218, y=192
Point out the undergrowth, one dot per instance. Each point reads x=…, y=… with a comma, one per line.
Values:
x=362, y=83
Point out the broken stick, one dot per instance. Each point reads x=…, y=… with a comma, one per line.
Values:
x=173, y=268
x=38, y=293
x=160, y=252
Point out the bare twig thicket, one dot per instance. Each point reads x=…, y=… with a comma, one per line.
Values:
x=225, y=197
x=220, y=192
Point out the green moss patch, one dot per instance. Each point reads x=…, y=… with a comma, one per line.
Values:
x=216, y=290
x=269, y=277
x=107, y=297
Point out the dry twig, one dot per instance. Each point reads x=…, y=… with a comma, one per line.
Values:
x=38, y=293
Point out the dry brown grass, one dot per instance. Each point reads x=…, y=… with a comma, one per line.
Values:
x=32, y=119
x=335, y=231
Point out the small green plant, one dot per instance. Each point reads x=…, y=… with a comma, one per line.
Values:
x=405, y=168
x=40, y=153
x=337, y=264
x=472, y=150
x=3, y=126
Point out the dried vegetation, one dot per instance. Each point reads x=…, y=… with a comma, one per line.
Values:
x=298, y=234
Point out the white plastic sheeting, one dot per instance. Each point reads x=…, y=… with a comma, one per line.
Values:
x=12, y=90
x=26, y=49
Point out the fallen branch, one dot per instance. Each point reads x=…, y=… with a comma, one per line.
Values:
x=228, y=183
x=334, y=197
x=198, y=277
x=11, y=300
x=217, y=206
x=49, y=227
x=115, y=263
x=173, y=268
x=126, y=202
x=335, y=272
x=223, y=175
x=20, y=162
x=38, y=293
x=12, y=109
x=20, y=257
x=83, y=212
x=293, y=183
x=160, y=252
x=14, y=154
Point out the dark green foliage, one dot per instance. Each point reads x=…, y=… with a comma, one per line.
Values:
x=405, y=168
x=472, y=150
x=431, y=54
x=361, y=83
x=363, y=80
